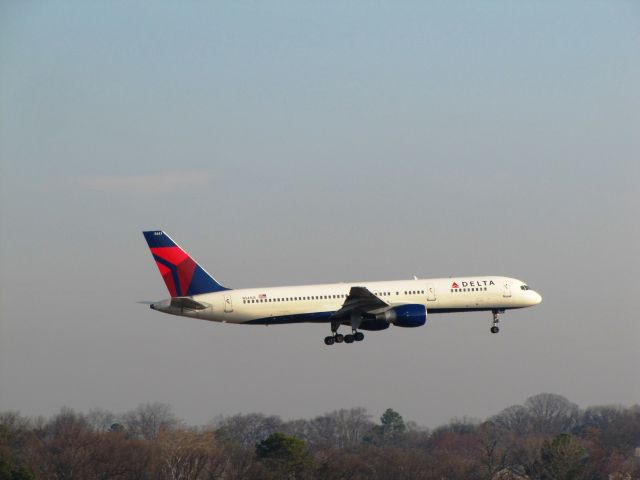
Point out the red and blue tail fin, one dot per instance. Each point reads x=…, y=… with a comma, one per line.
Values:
x=182, y=275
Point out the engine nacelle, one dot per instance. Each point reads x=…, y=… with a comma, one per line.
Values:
x=408, y=316
x=374, y=324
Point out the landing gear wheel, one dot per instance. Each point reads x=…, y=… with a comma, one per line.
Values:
x=339, y=338
x=358, y=336
x=329, y=340
x=496, y=320
x=348, y=338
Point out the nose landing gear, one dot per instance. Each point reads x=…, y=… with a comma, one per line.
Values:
x=496, y=320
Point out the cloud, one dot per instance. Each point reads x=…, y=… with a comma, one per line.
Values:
x=145, y=184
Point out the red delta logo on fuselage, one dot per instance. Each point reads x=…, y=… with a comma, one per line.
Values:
x=473, y=283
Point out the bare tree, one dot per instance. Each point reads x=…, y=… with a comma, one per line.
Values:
x=100, y=419
x=493, y=448
x=190, y=455
x=525, y=455
x=515, y=419
x=63, y=447
x=149, y=419
x=340, y=428
x=241, y=462
x=563, y=458
x=551, y=413
x=248, y=430
x=345, y=464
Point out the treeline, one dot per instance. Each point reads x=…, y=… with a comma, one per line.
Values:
x=547, y=437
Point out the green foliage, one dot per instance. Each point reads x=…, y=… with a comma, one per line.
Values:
x=9, y=472
x=391, y=428
x=562, y=458
x=286, y=456
x=116, y=427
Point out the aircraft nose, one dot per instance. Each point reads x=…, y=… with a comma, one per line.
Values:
x=537, y=298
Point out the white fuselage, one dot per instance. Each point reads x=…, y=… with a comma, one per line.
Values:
x=315, y=303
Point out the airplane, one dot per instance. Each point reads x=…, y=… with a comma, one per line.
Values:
x=366, y=306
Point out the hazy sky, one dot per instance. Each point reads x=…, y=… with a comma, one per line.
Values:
x=306, y=142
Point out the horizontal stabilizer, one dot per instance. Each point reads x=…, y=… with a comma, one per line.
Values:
x=186, y=302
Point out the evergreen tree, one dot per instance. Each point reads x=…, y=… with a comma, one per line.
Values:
x=391, y=428
x=286, y=456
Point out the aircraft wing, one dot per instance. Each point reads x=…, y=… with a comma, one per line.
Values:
x=360, y=299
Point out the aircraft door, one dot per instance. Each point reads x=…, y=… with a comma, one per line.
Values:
x=431, y=293
x=228, y=304
x=507, y=290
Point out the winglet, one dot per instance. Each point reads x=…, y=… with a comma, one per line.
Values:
x=182, y=275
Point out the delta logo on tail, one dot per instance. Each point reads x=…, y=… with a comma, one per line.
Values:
x=181, y=274
x=175, y=267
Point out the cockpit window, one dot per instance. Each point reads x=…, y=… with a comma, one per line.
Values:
x=524, y=287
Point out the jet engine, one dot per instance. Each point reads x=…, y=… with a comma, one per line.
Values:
x=373, y=324
x=409, y=316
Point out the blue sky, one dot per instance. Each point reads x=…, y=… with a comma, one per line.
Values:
x=304, y=142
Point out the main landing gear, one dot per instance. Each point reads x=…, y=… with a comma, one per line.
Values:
x=496, y=320
x=355, y=336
